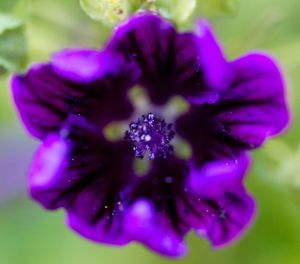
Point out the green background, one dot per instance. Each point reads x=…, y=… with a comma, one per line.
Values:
x=29, y=235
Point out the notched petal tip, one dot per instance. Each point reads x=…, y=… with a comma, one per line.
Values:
x=145, y=225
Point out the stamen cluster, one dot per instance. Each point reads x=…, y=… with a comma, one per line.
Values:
x=150, y=134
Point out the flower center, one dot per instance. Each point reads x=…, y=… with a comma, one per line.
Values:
x=150, y=135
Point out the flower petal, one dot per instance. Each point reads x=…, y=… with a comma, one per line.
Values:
x=108, y=230
x=86, y=177
x=146, y=225
x=221, y=219
x=216, y=177
x=49, y=93
x=171, y=62
x=208, y=138
x=49, y=162
x=85, y=66
x=39, y=97
x=230, y=216
x=212, y=58
x=254, y=107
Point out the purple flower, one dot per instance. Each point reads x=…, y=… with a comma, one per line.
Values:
x=139, y=185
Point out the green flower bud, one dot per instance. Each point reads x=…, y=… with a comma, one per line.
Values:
x=176, y=10
x=108, y=11
x=179, y=11
x=12, y=44
x=113, y=11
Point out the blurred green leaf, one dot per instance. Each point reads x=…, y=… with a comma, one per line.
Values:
x=212, y=8
x=12, y=44
x=7, y=5
x=8, y=22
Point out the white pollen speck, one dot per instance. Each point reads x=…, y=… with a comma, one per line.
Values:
x=147, y=138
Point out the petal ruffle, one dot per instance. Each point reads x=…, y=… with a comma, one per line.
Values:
x=49, y=93
x=187, y=64
x=229, y=217
x=217, y=177
x=220, y=219
x=254, y=107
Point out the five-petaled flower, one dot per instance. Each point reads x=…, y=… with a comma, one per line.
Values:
x=112, y=156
